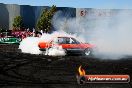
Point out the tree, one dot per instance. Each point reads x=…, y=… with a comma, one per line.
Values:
x=44, y=22
x=17, y=23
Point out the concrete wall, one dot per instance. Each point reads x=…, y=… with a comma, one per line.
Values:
x=4, y=17
x=13, y=11
x=30, y=14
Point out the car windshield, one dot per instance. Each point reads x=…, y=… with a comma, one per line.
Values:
x=65, y=40
x=74, y=41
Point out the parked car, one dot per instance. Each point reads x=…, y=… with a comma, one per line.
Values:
x=7, y=38
x=10, y=40
x=69, y=44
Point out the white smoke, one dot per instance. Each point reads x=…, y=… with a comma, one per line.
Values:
x=110, y=34
x=30, y=44
x=56, y=51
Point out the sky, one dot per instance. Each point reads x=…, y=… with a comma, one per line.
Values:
x=105, y=4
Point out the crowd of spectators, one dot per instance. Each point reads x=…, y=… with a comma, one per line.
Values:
x=21, y=33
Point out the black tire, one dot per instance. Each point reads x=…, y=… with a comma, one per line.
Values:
x=88, y=52
x=65, y=52
x=43, y=51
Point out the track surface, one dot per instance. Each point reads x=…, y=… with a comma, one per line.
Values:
x=19, y=70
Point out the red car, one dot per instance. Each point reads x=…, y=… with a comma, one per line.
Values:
x=69, y=44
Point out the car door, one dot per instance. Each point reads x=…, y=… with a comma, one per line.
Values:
x=74, y=43
x=62, y=41
x=69, y=43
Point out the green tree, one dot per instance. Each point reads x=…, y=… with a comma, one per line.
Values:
x=44, y=22
x=17, y=23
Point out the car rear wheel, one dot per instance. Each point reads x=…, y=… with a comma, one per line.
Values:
x=65, y=51
x=87, y=52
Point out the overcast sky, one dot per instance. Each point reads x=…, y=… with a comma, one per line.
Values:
x=112, y=4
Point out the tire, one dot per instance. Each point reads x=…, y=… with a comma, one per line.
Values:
x=44, y=51
x=88, y=52
x=65, y=52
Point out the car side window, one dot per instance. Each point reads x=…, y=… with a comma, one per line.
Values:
x=67, y=40
x=55, y=41
x=70, y=41
x=61, y=40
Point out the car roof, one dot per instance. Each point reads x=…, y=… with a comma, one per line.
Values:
x=59, y=37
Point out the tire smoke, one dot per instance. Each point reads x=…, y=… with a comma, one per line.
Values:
x=30, y=44
x=110, y=34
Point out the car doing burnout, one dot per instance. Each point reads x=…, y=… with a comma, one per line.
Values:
x=69, y=44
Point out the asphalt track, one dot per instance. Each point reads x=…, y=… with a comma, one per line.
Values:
x=20, y=70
